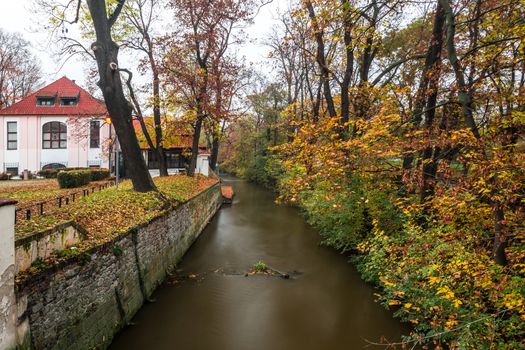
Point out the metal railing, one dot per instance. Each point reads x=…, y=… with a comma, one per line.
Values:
x=53, y=205
x=9, y=165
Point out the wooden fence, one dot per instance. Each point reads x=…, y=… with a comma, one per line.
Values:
x=52, y=205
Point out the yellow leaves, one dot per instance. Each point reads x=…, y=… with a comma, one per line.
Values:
x=451, y=323
x=387, y=283
x=446, y=292
x=394, y=302
x=520, y=268
x=110, y=212
x=513, y=301
x=433, y=280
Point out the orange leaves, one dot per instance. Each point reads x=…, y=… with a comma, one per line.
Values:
x=110, y=212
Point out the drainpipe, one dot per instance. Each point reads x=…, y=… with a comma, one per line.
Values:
x=117, y=161
x=110, y=150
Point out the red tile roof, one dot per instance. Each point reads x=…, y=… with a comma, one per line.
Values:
x=64, y=87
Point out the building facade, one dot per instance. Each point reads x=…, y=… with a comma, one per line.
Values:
x=61, y=125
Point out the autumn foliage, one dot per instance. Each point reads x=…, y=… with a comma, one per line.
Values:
x=404, y=144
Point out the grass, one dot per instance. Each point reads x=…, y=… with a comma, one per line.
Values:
x=260, y=266
x=34, y=191
x=110, y=212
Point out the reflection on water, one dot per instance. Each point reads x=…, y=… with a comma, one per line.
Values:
x=324, y=306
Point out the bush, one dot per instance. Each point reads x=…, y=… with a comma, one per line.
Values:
x=49, y=173
x=4, y=176
x=260, y=266
x=341, y=218
x=99, y=174
x=447, y=290
x=75, y=168
x=74, y=178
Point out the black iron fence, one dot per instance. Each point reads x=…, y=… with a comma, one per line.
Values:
x=50, y=206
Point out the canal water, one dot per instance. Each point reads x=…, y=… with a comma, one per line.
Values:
x=212, y=305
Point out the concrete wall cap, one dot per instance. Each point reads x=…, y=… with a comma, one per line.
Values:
x=7, y=201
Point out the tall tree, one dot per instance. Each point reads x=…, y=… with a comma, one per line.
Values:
x=142, y=16
x=205, y=34
x=106, y=53
x=320, y=57
x=97, y=19
x=20, y=72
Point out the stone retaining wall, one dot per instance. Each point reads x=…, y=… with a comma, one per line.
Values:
x=82, y=302
x=42, y=245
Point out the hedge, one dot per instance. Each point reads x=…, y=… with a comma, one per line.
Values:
x=97, y=174
x=73, y=178
x=49, y=173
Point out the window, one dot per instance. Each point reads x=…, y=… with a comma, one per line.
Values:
x=54, y=135
x=68, y=101
x=12, y=136
x=12, y=171
x=94, y=134
x=173, y=159
x=45, y=101
x=53, y=166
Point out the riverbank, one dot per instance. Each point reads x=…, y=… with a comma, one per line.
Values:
x=209, y=303
x=441, y=279
x=101, y=213
x=80, y=300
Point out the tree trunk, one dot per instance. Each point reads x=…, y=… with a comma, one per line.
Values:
x=159, y=149
x=431, y=154
x=214, y=151
x=465, y=99
x=106, y=53
x=349, y=68
x=499, y=238
x=321, y=61
x=163, y=164
x=431, y=61
x=464, y=95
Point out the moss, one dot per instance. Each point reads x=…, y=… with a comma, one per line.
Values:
x=117, y=250
x=37, y=265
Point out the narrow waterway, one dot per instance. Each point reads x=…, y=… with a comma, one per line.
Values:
x=324, y=306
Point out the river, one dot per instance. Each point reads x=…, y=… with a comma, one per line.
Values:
x=325, y=305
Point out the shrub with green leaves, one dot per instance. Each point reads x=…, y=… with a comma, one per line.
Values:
x=73, y=179
x=450, y=292
x=345, y=218
x=99, y=174
x=260, y=266
x=49, y=173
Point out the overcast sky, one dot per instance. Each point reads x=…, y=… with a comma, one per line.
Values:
x=16, y=16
